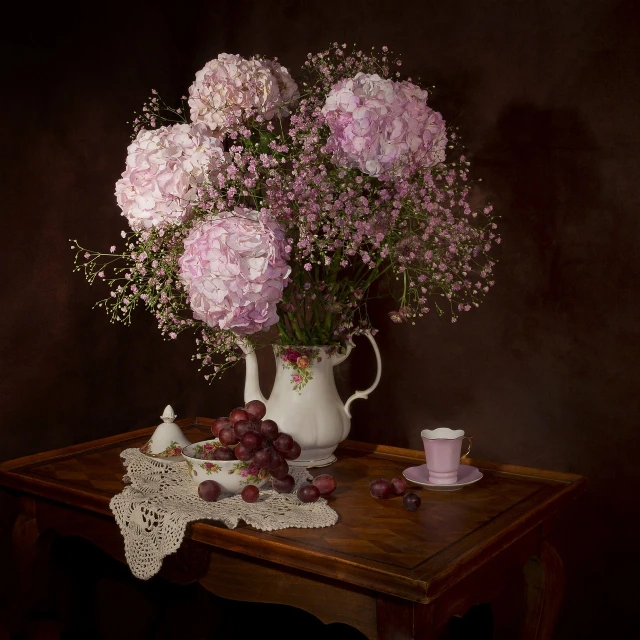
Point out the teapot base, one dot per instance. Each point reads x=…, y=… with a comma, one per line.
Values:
x=303, y=461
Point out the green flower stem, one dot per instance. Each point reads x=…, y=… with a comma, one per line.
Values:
x=282, y=332
x=326, y=328
x=404, y=292
x=298, y=333
x=375, y=274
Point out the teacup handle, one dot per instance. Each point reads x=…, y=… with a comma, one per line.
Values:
x=470, y=439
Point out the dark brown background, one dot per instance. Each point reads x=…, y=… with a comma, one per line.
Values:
x=544, y=374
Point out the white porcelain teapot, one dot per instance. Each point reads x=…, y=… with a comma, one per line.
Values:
x=304, y=401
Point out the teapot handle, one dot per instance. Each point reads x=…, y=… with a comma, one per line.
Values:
x=338, y=358
x=365, y=394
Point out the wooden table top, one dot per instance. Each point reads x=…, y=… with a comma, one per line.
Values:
x=376, y=544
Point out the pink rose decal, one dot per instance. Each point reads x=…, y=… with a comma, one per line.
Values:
x=291, y=355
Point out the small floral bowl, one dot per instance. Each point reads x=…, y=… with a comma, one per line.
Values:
x=231, y=475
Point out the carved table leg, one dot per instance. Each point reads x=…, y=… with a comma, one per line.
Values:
x=30, y=551
x=24, y=539
x=544, y=577
x=405, y=620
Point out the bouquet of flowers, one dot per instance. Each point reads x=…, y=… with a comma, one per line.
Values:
x=265, y=209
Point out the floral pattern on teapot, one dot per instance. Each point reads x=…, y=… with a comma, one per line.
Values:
x=300, y=360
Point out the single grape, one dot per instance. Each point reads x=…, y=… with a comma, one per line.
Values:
x=228, y=436
x=276, y=459
x=209, y=490
x=411, y=501
x=223, y=453
x=283, y=442
x=308, y=493
x=250, y=493
x=218, y=424
x=262, y=458
x=256, y=408
x=241, y=427
x=242, y=453
x=294, y=452
x=326, y=484
x=269, y=429
x=283, y=485
x=238, y=414
x=399, y=485
x=251, y=440
x=381, y=488
x=280, y=471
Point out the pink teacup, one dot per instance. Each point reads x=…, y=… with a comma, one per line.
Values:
x=442, y=448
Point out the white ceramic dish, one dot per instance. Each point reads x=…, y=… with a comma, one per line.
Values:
x=167, y=441
x=167, y=459
x=420, y=475
x=231, y=475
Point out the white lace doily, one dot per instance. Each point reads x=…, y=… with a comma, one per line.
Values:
x=160, y=500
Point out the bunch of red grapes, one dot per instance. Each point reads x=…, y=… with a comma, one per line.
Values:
x=384, y=489
x=247, y=437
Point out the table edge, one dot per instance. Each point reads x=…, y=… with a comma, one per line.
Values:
x=513, y=469
x=420, y=584
x=385, y=450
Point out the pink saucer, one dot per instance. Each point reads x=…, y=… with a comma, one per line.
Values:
x=420, y=475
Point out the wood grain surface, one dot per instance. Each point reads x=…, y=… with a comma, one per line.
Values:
x=375, y=545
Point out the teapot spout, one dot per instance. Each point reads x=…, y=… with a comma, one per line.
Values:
x=252, y=379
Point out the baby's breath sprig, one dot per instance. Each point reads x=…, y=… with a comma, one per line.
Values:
x=216, y=351
x=145, y=273
x=156, y=112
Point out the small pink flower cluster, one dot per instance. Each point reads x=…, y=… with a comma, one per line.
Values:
x=381, y=126
x=230, y=90
x=234, y=271
x=163, y=170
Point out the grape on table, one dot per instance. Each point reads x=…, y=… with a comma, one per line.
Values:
x=308, y=493
x=381, y=488
x=399, y=485
x=326, y=484
x=411, y=501
x=209, y=490
x=250, y=493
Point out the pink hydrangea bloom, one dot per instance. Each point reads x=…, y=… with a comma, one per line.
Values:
x=163, y=170
x=234, y=270
x=382, y=126
x=287, y=87
x=229, y=90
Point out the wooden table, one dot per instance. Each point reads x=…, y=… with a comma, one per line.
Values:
x=388, y=572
